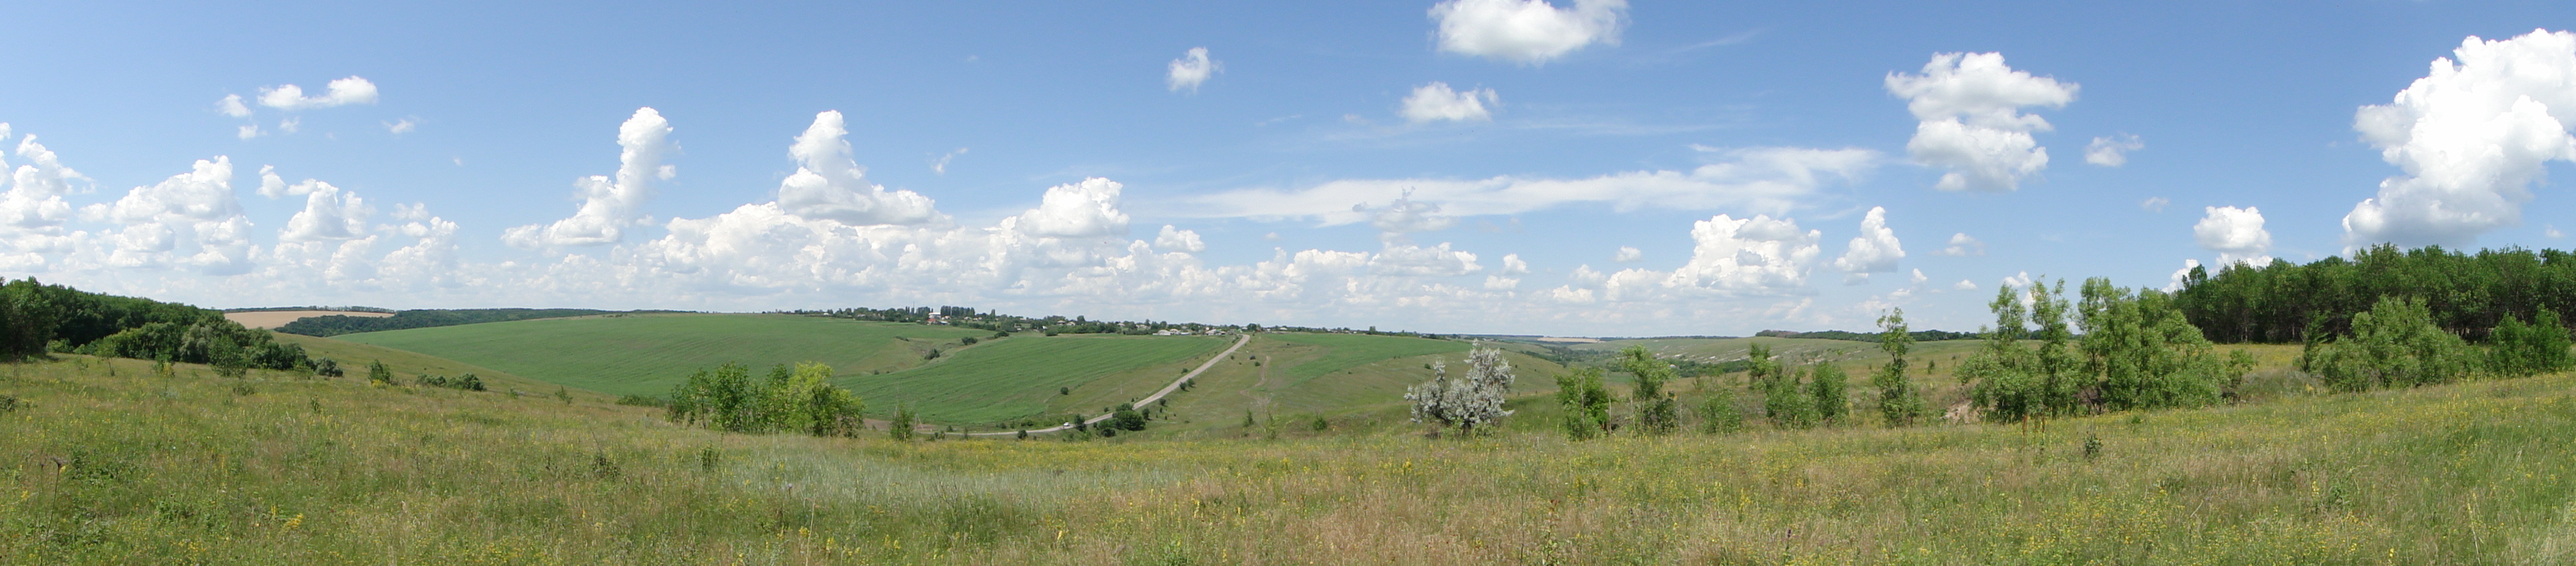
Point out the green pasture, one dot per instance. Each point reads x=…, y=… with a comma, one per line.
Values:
x=648, y=354
x=1030, y=376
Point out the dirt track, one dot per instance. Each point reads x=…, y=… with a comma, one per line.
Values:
x=1149, y=399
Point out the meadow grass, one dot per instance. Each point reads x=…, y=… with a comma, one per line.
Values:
x=649, y=354
x=142, y=468
x=1027, y=376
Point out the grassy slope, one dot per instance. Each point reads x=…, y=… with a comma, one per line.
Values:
x=648, y=354
x=1021, y=376
x=135, y=468
x=1355, y=381
x=407, y=366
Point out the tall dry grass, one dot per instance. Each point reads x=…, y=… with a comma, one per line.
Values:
x=139, y=468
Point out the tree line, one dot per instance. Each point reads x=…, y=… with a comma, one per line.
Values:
x=2466, y=294
x=36, y=319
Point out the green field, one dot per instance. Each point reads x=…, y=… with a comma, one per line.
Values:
x=648, y=354
x=1022, y=376
x=1346, y=351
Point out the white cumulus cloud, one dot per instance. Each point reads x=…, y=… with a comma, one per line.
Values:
x=1191, y=70
x=1436, y=102
x=1528, y=32
x=329, y=214
x=192, y=219
x=1875, y=250
x=2112, y=151
x=1969, y=108
x=1175, y=239
x=1088, y=209
x=829, y=183
x=1962, y=245
x=2471, y=137
x=1757, y=255
x=609, y=205
x=2237, y=235
x=232, y=106
x=1628, y=254
x=341, y=92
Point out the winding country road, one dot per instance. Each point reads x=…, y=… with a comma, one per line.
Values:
x=1149, y=399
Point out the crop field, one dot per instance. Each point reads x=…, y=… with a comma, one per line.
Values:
x=648, y=354
x=408, y=367
x=110, y=462
x=1025, y=376
x=1355, y=381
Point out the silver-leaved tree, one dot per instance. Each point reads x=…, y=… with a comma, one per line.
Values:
x=1468, y=403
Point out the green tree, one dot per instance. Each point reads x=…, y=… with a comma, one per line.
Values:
x=2394, y=344
x=377, y=372
x=1899, y=404
x=901, y=427
x=2001, y=375
x=1585, y=401
x=2140, y=352
x=1831, y=390
x=2517, y=349
x=1786, y=403
x=1719, y=415
x=1657, y=411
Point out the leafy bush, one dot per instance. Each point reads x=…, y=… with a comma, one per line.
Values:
x=2517, y=349
x=791, y=398
x=2395, y=344
x=1719, y=415
x=1657, y=411
x=1585, y=400
x=467, y=382
x=1831, y=391
x=1899, y=404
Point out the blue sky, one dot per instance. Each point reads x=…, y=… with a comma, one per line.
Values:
x=1045, y=147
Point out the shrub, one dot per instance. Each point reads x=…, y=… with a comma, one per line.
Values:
x=2518, y=349
x=1786, y=403
x=1719, y=415
x=377, y=372
x=326, y=367
x=1657, y=411
x=900, y=428
x=1831, y=390
x=2394, y=344
x=1468, y=402
x=1899, y=404
x=1585, y=400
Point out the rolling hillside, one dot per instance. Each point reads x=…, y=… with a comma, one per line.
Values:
x=1355, y=382
x=111, y=464
x=1027, y=376
x=648, y=354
